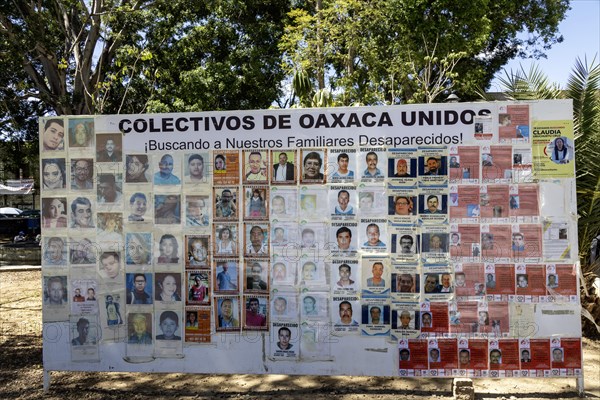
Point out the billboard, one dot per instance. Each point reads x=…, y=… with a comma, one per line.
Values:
x=432, y=240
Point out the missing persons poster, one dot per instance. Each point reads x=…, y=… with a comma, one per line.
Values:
x=422, y=240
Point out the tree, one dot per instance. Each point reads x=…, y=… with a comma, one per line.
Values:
x=434, y=77
x=227, y=60
x=69, y=57
x=119, y=56
x=369, y=51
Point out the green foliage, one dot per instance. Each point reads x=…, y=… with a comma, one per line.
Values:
x=374, y=51
x=116, y=56
x=529, y=85
x=185, y=55
x=302, y=87
x=584, y=88
x=228, y=59
x=25, y=152
x=433, y=77
x=322, y=98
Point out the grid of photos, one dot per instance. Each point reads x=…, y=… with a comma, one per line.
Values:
x=419, y=246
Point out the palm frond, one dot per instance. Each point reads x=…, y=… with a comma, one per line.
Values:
x=583, y=87
x=528, y=85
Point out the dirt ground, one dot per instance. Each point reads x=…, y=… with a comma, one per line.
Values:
x=21, y=370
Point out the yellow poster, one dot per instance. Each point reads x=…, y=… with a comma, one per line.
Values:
x=553, y=149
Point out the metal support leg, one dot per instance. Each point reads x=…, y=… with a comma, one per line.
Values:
x=580, y=387
x=46, y=380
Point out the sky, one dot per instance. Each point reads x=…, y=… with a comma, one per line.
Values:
x=581, y=33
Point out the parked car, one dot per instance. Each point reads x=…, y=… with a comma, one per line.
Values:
x=10, y=211
x=13, y=220
x=30, y=214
